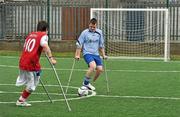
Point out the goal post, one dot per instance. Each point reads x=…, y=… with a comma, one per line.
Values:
x=140, y=33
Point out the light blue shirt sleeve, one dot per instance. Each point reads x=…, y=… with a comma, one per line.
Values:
x=80, y=40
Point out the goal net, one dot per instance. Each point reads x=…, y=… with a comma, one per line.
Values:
x=134, y=33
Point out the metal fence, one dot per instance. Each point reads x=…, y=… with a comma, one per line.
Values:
x=68, y=18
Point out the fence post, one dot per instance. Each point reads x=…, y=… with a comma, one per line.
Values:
x=48, y=17
x=167, y=3
x=106, y=30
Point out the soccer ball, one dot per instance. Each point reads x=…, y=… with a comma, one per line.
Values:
x=83, y=91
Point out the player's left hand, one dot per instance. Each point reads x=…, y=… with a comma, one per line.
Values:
x=105, y=57
x=53, y=61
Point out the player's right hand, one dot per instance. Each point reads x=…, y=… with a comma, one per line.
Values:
x=77, y=57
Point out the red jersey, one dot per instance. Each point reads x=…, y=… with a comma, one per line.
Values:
x=32, y=49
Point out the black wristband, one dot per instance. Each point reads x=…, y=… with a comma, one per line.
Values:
x=50, y=57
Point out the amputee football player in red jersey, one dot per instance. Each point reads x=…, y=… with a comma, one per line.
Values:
x=29, y=65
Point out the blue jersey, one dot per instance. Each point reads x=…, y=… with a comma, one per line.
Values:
x=90, y=42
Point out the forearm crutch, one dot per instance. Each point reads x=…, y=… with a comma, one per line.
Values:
x=45, y=90
x=70, y=76
x=59, y=82
x=106, y=76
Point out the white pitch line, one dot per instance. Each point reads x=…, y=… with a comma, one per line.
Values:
x=139, y=97
x=93, y=93
x=41, y=85
x=110, y=59
x=34, y=93
x=17, y=57
x=11, y=66
x=141, y=71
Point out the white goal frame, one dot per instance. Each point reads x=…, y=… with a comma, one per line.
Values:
x=166, y=23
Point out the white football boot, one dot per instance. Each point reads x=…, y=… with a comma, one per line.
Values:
x=22, y=104
x=89, y=86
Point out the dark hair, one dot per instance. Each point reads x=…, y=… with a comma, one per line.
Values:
x=93, y=21
x=42, y=26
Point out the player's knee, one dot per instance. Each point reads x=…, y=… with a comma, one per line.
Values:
x=31, y=89
x=92, y=68
x=100, y=70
